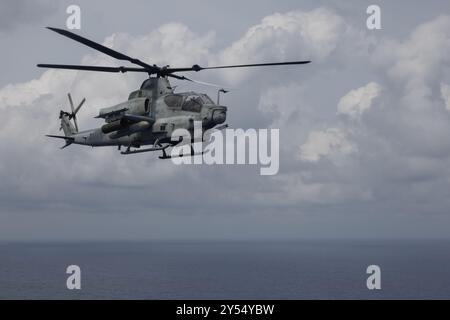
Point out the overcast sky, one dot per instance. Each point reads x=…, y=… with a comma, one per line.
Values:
x=364, y=129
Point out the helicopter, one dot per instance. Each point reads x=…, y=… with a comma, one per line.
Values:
x=152, y=113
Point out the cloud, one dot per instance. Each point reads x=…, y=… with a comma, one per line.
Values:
x=25, y=94
x=393, y=161
x=277, y=102
x=38, y=101
x=317, y=31
x=417, y=63
x=171, y=43
x=295, y=35
x=30, y=110
x=323, y=143
x=402, y=136
x=357, y=101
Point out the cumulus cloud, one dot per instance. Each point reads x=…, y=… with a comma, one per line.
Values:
x=316, y=31
x=399, y=127
x=419, y=62
x=357, y=101
x=25, y=94
x=323, y=143
x=295, y=35
x=31, y=108
x=278, y=103
x=172, y=43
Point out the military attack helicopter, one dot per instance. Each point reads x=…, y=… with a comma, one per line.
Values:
x=152, y=113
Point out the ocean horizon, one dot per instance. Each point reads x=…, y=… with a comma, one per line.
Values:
x=306, y=269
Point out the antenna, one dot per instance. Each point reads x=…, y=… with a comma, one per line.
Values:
x=218, y=94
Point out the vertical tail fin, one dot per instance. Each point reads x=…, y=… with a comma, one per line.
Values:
x=66, y=125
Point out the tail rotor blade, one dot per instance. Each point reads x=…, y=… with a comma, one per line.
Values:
x=79, y=106
x=71, y=102
x=73, y=115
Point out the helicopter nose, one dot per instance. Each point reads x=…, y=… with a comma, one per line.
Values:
x=219, y=116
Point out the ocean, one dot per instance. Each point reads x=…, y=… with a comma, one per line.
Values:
x=226, y=270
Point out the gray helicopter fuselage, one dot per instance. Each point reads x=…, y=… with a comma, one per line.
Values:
x=150, y=115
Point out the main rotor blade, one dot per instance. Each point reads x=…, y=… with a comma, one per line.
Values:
x=103, y=49
x=92, y=68
x=197, y=68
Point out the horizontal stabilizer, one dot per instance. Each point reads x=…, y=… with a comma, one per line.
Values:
x=61, y=137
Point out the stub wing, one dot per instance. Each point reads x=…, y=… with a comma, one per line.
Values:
x=111, y=114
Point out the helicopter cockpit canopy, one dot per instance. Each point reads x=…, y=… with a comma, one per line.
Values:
x=191, y=102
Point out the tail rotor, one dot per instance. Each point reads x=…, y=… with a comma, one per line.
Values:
x=73, y=115
x=70, y=129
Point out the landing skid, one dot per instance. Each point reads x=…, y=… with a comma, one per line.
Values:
x=165, y=156
x=158, y=147
x=163, y=149
x=128, y=151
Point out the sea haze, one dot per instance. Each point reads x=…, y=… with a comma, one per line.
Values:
x=226, y=270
